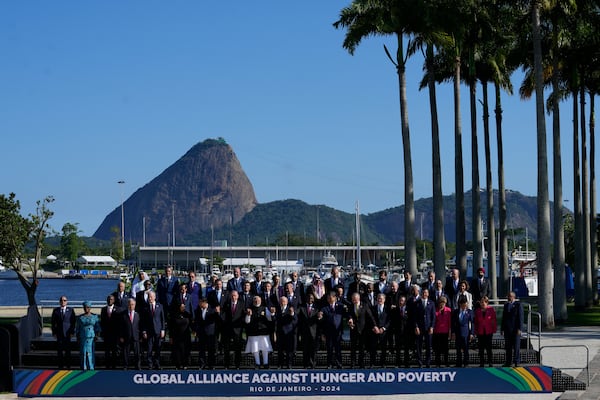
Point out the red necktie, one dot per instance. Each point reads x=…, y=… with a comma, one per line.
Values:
x=233, y=307
x=131, y=316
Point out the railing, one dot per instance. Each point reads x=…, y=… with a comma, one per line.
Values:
x=583, y=367
x=528, y=313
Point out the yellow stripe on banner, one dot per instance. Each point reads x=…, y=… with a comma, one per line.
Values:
x=529, y=378
x=52, y=382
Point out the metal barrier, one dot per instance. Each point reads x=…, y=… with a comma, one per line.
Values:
x=587, y=358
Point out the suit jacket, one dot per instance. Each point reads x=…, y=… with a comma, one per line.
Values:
x=213, y=299
x=356, y=287
x=109, y=325
x=308, y=322
x=463, y=326
x=178, y=300
x=285, y=323
x=485, y=321
x=195, y=293
x=429, y=286
x=479, y=289
x=121, y=299
x=451, y=292
x=141, y=301
x=383, y=318
x=206, y=326
x=269, y=299
x=293, y=301
x=404, y=289
x=400, y=321
x=299, y=290
x=368, y=301
x=130, y=330
x=233, y=322
x=423, y=317
x=256, y=287
x=332, y=321
x=435, y=296
x=391, y=298
x=362, y=317
x=382, y=287
x=235, y=284
x=512, y=318
x=330, y=286
x=63, y=326
x=153, y=322
x=166, y=290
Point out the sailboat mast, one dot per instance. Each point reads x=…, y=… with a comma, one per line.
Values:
x=358, y=260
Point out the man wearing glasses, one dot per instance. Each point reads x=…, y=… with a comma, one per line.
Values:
x=63, y=327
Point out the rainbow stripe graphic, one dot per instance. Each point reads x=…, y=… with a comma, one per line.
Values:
x=50, y=382
x=524, y=379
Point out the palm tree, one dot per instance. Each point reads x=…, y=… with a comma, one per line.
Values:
x=543, y=209
x=364, y=18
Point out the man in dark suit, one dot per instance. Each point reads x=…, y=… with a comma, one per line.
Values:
x=232, y=315
x=331, y=319
x=383, y=286
x=404, y=334
x=462, y=330
x=153, y=330
x=451, y=288
x=206, y=331
x=512, y=323
x=120, y=297
x=129, y=335
x=308, y=324
x=380, y=331
x=480, y=286
x=423, y=315
x=257, y=284
x=167, y=289
x=334, y=280
x=370, y=298
x=183, y=298
x=246, y=296
x=237, y=282
x=438, y=292
x=290, y=294
x=194, y=290
x=360, y=322
x=406, y=285
x=356, y=286
x=217, y=296
x=268, y=296
x=429, y=284
x=63, y=327
x=286, y=321
x=141, y=297
x=109, y=326
x=297, y=286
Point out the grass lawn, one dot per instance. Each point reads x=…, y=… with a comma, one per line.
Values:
x=588, y=317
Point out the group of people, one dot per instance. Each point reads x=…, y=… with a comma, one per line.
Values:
x=404, y=319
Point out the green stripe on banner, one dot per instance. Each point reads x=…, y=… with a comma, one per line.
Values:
x=72, y=381
x=510, y=378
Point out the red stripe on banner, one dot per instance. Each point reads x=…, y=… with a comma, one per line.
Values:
x=36, y=385
x=543, y=377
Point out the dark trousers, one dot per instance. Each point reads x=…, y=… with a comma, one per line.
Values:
x=357, y=344
x=154, y=345
x=334, y=349
x=423, y=339
x=110, y=353
x=180, y=351
x=207, y=350
x=285, y=349
x=127, y=347
x=378, y=342
x=310, y=345
x=512, y=345
x=63, y=349
x=485, y=346
x=462, y=351
x=404, y=342
x=232, y=342
x=440, y=347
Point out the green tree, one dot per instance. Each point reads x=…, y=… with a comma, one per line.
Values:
x=70, y=242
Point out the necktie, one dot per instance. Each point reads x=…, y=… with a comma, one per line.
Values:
x=356, y=310
x=109, y=311
x=402, y=312
x=152, y=309
x=233, y=307
x=131, y=316
x=62, y=312
x=309, y=309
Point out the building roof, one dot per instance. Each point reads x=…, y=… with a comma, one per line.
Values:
x=96, y=259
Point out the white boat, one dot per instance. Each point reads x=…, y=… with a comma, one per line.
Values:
x=328, y=261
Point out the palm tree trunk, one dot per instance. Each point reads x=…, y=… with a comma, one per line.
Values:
x=560, y=296
x=459, y=185
x=543, y=210
x=578, y=267
x=585, y=212
x=439, y=241
x=593, y=217
x=502, y=223
x=491, y=247
x=475, y=188
x=410, y=246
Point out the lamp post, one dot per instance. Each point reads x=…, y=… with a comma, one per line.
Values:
x=121, y=183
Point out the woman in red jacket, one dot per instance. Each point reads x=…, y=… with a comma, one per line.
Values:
x=485, y=327
x=441, y=331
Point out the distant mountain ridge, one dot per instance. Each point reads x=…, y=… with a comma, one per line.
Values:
x=213, y=199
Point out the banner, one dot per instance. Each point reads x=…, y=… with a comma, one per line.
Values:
x=315, y=382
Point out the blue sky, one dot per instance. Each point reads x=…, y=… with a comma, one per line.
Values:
x=97, y=92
